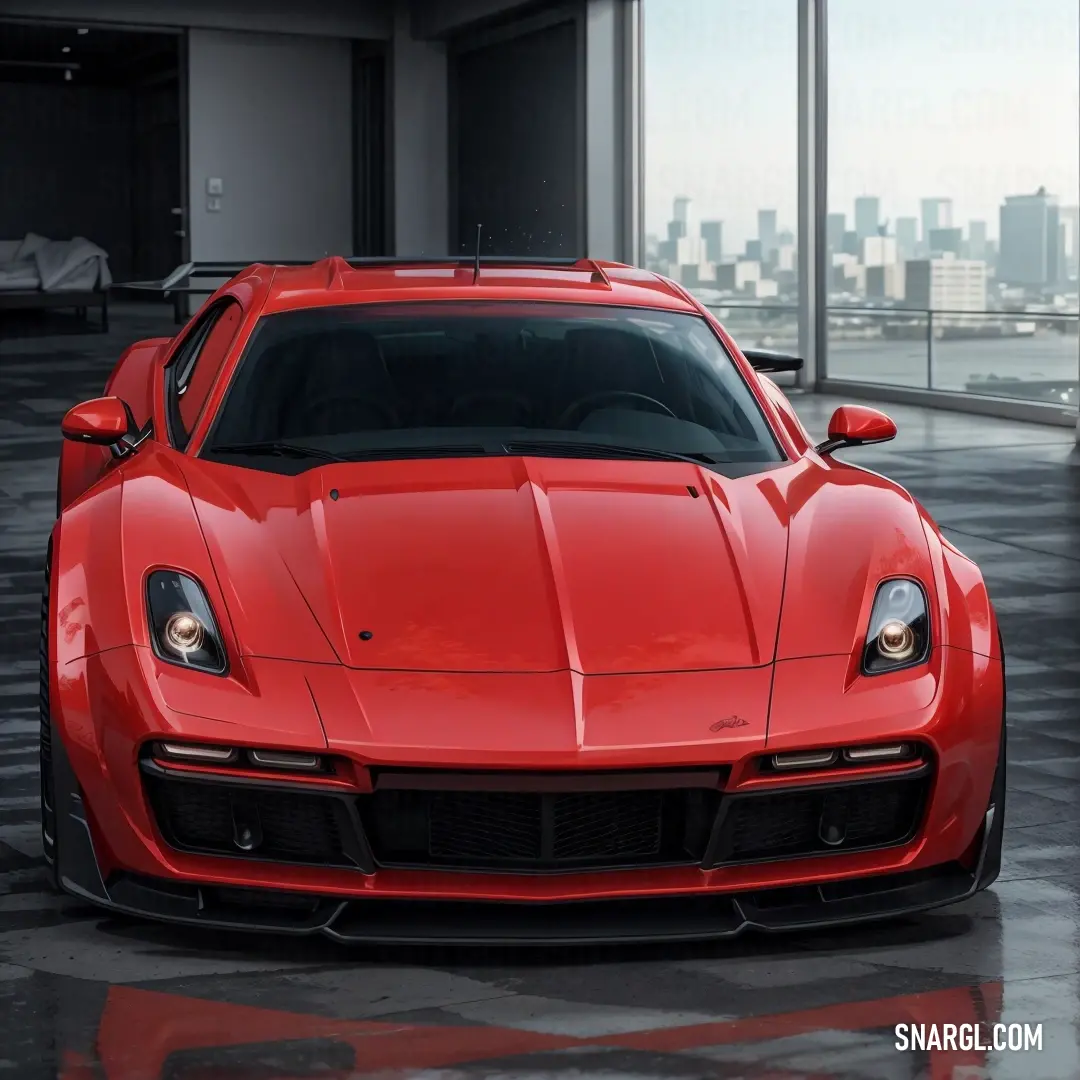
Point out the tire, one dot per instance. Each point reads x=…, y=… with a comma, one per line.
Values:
x=45, y=756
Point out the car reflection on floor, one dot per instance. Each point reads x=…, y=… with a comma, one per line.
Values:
x=150, y=1035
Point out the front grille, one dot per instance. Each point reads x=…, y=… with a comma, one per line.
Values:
x=534, y=823
x=814, y=821
x=278, y=825
x=515, y=830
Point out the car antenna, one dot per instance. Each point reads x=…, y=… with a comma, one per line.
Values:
x=476, y=263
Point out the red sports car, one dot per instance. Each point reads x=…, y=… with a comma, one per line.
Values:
x=506, y=602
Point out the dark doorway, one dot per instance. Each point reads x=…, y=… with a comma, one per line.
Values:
x=91, y=122
x=517, y=142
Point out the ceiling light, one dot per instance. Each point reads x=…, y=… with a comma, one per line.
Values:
x=66, y=49
x=82, y=31
x=67, y=75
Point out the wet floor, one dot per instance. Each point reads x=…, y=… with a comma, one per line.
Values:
x=84, y=996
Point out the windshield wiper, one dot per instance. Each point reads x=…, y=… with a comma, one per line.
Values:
x=449, y=450
x=544, y=447
x=538, y=448
x=277, y=449
x=372, y=453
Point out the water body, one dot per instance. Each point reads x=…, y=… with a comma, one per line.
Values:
x=1043, y=358
x=1046, y=357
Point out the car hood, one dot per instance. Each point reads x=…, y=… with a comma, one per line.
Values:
x=500, y=564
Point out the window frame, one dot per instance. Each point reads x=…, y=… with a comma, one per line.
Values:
x=182, y=364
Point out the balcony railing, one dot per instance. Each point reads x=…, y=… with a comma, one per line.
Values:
x=1027, y=355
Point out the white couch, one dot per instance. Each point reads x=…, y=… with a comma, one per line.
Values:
x=36, y=262
x=38, y=272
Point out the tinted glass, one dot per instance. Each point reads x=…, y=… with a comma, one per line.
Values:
x=460, y=379
x=195, y=383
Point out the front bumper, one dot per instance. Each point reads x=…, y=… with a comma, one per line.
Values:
x=380, y=908
x=421, y=921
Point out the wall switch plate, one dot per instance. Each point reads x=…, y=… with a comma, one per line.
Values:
x=213, y=204
x=214, y=186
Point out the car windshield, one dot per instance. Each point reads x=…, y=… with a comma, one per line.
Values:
x=381, y=381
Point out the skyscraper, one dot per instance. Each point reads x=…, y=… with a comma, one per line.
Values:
x=976, y=240
x=680, y=217
x=867, y=215
x=936, y=214
x=945, y=239
x=1029, y=240
x=907, y=237
x=712, y=235
x=766, y=230
x=835, y=227
x=1070, y=218
x=680, y=248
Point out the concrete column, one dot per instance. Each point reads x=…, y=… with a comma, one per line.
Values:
x=421, y=166
x=613, y=129
x=813, y=156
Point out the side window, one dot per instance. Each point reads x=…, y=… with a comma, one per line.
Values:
x=197, y=364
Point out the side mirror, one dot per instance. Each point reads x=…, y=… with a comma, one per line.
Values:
x=856, y=425
x=105, y=421
x=767, y=361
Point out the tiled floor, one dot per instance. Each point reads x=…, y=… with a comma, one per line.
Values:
x=83, y=996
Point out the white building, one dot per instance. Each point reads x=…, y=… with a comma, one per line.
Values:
x=878, y=251
x=945, y=284
x=786, y=256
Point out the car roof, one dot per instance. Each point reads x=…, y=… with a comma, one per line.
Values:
x=333, y=281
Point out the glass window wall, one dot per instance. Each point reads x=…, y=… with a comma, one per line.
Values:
x=953, y=155
x=952, y=244
x=721, y=158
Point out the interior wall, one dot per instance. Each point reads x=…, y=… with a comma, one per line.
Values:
x=421, y=194
x=270, y=117
x=519, y=142
x=66, y=166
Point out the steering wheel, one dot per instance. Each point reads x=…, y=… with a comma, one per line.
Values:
x=591, y=402
x=311, y=409
x=519, y=401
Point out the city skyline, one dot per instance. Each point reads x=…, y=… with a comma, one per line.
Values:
x=929, y=263
x=928, y=119
x=989, y=234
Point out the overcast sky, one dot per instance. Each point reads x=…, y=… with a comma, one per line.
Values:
x=973, y=99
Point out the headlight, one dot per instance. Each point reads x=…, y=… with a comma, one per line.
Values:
x=182, y=627
x=899, y=631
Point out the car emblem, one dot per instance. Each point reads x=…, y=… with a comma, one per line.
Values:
x=729, y=722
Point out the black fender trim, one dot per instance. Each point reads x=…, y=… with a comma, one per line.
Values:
x=77, y=869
